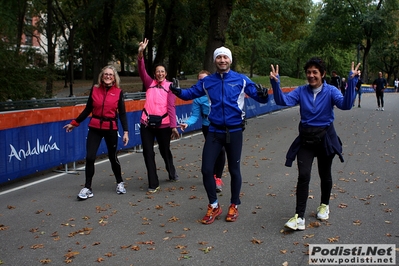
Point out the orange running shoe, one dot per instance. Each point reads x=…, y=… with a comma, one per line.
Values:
x=232, y=215
x=211, y=214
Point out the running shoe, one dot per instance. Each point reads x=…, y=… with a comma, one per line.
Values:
x=211, y=214
x=85, y=193
x=120, y=188
x=322, y=212
x=219, y=184
x=153, y=190
x=232, y=215
x=296, y=223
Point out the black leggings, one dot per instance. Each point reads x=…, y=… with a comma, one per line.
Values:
x=162, y=135
x=221, y=160
x=305, y=159
x=94, y=138
x=214, y=144
x=380, y=98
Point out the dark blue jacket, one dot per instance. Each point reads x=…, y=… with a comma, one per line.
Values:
x=331, y=143
x=226, y=93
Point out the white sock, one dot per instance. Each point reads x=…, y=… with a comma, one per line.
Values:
x=215, y=204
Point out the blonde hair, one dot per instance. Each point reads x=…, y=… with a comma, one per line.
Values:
x=116, y=75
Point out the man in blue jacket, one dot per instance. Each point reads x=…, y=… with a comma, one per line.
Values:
x=226, y=90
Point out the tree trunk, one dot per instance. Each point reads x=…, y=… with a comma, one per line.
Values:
x=22, y=7
x=101, y=39
x=220, y=12
x=50, y=52
x=150, y=11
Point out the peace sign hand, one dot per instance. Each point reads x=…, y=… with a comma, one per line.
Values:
x=274, y=73
x=354, y=70
x=143, y=45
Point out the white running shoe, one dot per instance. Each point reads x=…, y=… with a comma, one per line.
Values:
x=322, y=212
x=296, y=223
x=85, y=193
x=120, y=188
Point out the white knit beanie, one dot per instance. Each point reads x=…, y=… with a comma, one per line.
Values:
x=222, y=51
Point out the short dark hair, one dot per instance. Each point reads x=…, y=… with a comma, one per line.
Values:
x=160, y=65
x=316, y=62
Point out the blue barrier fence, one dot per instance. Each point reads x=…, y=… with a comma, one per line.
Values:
x=31, y=149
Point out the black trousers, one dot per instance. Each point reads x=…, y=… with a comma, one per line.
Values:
x=305, y=157
x=162, y=135
x=94, y=138
x=221, y=159
x=214, y=144
x=380, y=98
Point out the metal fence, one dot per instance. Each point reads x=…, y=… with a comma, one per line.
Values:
x=56, y=102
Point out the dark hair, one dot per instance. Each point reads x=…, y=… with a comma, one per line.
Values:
x=160, y=65
x=316, y=62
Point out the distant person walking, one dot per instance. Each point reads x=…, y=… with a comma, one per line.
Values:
x=106, y=104
x=317, y=136
x=343, y=86
x=396, y=84
x=358, y=89
x=335, y=80
x=379, y=85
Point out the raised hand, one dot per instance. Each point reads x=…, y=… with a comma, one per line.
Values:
x=143, y=45
x=354, y=70
x=274, y=73
x=175, y=87
x=262, y=91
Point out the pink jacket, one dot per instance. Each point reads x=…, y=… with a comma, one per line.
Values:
x=159, y=98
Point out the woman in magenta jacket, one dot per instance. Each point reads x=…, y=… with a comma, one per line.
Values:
x=159, y=104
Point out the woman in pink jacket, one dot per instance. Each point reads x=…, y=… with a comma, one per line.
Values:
x=158, y=120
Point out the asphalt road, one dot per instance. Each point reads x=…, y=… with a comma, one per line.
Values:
x=41, y=221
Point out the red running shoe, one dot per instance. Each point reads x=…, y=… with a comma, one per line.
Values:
x=219, y=184
x=211, y=214
x=232, y=215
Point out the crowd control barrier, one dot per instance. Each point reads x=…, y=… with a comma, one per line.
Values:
x=34, y=140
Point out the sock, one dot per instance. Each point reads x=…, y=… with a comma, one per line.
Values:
x=215, y=204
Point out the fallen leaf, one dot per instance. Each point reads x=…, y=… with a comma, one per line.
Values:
x=256, y=241
x=333, y=239
x=36, y=246
x=308, y=236
x=206, y=250
x=314, y=224
x=44, y=261
x=71, y=255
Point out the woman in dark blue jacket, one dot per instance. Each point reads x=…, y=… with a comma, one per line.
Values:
x=317, y=136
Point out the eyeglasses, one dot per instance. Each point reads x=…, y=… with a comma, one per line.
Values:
x=108, y=74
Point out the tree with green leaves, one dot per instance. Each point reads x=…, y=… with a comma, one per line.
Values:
x=347, y=24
